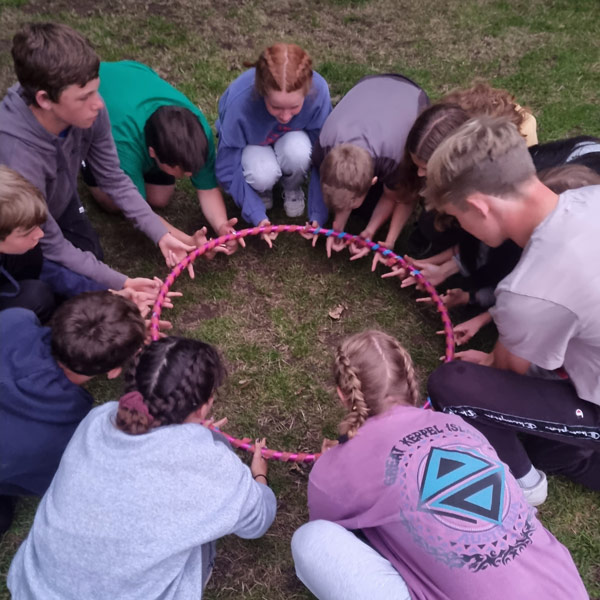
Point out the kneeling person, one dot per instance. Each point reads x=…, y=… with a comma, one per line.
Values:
x=546, y=310
x=358, y=153
x=160, y=136
x=42, y=371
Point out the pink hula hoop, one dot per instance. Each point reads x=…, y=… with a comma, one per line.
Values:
x=392, y=257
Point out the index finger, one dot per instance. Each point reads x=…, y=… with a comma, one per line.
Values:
x=357, y=255
x=190, y=270
x=241, y=241
x=393, y=273
x=220, y=422
x=222, y=248
x=376, y=260
x=259, y=444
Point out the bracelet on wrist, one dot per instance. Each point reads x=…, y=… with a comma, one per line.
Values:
x=261, y=475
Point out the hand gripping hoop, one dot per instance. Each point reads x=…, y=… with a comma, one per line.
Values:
x=245, y=444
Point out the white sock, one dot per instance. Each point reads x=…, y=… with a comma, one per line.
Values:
x=531, y=479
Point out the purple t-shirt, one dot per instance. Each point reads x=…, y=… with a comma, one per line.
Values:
x=432, y=496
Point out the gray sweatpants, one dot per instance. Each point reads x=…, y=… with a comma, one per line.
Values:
x=334, y=564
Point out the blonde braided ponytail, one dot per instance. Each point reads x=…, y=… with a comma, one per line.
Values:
x=373, y=372
x=351, y=388
x=410, y=374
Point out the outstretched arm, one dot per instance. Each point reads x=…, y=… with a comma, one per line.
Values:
x=213, y=207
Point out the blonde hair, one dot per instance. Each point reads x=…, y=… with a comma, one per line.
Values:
x=486, y=155
x=482, y=99
x=21, y=203
x=283, y=68
x=346, y=175
x=371, y=369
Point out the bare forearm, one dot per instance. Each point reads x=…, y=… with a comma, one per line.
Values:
x=501, y=358
x=482, y=319
x=177, y=233
x=447, y=269
x=340, y=219
x=213, y=207
x=401, y=214
x=382, y=212
x=442, y=257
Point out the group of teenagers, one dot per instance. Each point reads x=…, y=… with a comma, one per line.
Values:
x=407, y=503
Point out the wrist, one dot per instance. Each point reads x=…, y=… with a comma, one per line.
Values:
x=164, y=240
x=261, y=475
x=450, y=268
x=223, y=228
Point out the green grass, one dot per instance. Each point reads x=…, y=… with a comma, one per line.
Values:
x=268, y=310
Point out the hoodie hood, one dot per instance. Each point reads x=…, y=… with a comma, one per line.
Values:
x=18, y=121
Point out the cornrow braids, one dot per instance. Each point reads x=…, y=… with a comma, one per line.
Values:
x=351, y=388
x=175, y=376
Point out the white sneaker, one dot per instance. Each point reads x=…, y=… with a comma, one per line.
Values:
x=538, y=493
x=293, y=202
x=267, y=198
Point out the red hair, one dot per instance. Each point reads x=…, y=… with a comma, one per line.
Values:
x=283, y=68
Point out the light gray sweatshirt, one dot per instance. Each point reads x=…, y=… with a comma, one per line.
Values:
x=126, y=515
x=52, y=164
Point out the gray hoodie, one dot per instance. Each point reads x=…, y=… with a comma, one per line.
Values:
x=126, y=516
x=52, y=164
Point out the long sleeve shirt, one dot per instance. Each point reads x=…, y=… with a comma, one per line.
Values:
x=244, y=120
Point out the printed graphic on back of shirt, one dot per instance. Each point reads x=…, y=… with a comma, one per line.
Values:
x=466, y=513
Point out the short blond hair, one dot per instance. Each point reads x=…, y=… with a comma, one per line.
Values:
x=486, y=155
x=21, y=203
x=346, y=175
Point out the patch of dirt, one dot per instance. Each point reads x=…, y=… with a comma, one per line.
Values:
x=200, y=312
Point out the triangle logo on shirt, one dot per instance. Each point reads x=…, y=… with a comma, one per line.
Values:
x=462, y=485
x=447, y=467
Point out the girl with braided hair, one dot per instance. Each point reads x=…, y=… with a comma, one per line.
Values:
x=143, y=490
x=269, y=119
x=413, y=504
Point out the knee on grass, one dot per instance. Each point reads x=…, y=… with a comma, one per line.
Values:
x=446, y=386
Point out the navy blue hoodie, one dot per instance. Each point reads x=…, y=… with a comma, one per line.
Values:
x=39, y=407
